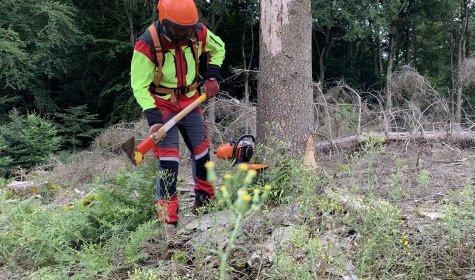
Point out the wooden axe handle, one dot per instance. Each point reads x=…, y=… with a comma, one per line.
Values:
x=150, y=142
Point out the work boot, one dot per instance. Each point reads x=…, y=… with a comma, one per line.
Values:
x=168, y=210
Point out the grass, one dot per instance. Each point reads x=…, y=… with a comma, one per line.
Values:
x=312, y=227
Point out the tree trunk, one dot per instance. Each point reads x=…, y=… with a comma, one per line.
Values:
x=389, y=69
x=379, y=55
x=129, y=6
x=285, y=96
x=462, y=52
x=453, y=87
x=323, y=54
x=407, y=32
x=374, y=53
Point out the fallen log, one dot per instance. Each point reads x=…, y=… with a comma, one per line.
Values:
x=463, y=139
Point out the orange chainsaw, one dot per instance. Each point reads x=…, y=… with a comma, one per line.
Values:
x=240, y=151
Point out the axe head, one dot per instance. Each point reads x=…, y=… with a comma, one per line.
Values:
x=129, y=148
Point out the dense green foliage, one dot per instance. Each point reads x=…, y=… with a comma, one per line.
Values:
x=59, y=54
x=84, y=237
x=26, y=141
x=37, y=40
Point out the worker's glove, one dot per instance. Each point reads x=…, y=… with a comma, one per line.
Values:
x=211, y=87
x=154, y=128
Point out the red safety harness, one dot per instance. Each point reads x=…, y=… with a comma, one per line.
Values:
x=154, y=87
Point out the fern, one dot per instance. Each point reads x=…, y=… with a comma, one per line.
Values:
x=138, y=238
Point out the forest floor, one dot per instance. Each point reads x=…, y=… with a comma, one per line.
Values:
x=397, y=210
x=400, y=210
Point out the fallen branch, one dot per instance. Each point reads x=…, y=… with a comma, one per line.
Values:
x=462, y=139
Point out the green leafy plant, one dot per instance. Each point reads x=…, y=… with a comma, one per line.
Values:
x=242, y=206
x=381, y=245
x=372, y=150
x=423, y=177
x=90, y=237
x=397, y=192
x=285, y=174
x=138, y=238
x=351, y=169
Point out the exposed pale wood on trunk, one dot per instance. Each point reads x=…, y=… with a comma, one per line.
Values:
x=309, y=156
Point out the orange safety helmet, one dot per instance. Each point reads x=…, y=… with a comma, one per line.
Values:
x=179, y=12
x=178, y=18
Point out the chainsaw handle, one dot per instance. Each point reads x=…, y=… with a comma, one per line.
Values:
x=247, y=136
x=239, y=140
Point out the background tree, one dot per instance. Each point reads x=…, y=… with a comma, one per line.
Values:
x=26, y=141
x=36, y=38
x=285, y=77
x=463, y=51
x=75, y=125
x=393, y=12
x=58, y=54
x=101, y=74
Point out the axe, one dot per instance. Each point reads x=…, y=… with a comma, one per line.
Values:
x=137, y=154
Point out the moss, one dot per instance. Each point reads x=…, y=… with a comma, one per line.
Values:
x=89, y=199
x=31, y=191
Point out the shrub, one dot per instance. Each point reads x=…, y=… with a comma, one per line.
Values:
x=26, y=141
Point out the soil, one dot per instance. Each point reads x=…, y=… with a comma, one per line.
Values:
x=428, y=171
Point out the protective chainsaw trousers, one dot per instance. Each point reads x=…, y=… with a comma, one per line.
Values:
x=193, y=130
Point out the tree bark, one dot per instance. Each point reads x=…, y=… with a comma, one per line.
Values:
x=285, y=95
x=129, y=6
x=461, y=55
x=389, y=69
x=246, y=79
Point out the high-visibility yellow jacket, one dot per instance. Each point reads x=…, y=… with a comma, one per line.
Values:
x=178, y=69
